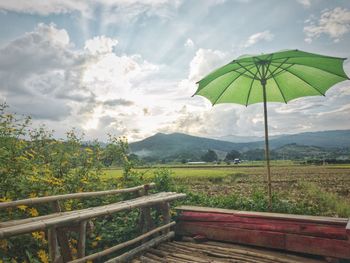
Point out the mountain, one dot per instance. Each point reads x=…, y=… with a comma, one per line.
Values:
x=182, y=146
x=337, y=138
x=178, y=144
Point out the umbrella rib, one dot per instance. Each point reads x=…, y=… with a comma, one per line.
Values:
x=278, y=67
x=346, y=77
x=250, y=89
x=309, y=56
x=246, y=69
x=235, y=70
x=248, y=76
x=222, y=93
x=305, y=82
x=279, y=72
x=279, y=88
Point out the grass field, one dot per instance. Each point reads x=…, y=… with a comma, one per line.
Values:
x=326, y=188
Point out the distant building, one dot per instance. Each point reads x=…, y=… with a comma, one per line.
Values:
x=236, y=161
x=196, y=162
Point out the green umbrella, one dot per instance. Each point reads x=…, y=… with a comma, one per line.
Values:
x=275, y=77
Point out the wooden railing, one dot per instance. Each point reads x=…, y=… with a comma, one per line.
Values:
x=56, y=224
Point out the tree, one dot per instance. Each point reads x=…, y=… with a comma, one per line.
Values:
x=210, y=156
x=230, y=156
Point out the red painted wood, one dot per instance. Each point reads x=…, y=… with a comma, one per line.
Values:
x=237, y=235
x=318, y=246
x=266, y=215
x=311, y=229
x=291, y=242
x=207, y=216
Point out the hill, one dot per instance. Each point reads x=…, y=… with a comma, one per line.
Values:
x=182, y=146
x=329, y=139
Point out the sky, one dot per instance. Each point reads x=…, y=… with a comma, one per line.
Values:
x=130, y=67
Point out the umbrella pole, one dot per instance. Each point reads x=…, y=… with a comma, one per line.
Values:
x=267, y=151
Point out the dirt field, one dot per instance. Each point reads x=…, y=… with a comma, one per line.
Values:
x=287, y=180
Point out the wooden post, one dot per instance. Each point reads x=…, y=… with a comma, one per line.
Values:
x=146, y=211
x=64, y=245
x=82, y=239
x=53, y=245
x=56, y=206
x=165, y=209
x=141, y=219
x=62, y=236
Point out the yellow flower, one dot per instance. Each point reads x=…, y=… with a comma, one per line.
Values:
x=84, y=181
x=43, y=256
x=5, y=199
x=32, y=195
x=39, y=236
x=33, y=179
x=33, y=212
x=74, y=251
x=22, y=207
x=94, y=244
x=68, y=205
x=98, y=238
x=3, y=244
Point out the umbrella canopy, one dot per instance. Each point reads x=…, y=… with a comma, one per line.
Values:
x=275, y=77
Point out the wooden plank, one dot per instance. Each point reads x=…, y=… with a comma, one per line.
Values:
x=265, y=252
x=348, y=229
x=285, y=241
x=47, y=199
x=287, y=226
x=316, y=219
x=261, y=255
x=118, y=247
x=33, y=219
x=126, y=257
x=88, y=213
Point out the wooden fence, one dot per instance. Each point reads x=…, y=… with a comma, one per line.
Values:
x=58, y=223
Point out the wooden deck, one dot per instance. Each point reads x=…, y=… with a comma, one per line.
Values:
x=217, y=252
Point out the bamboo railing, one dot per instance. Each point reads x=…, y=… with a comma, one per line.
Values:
x=56, y=224
x=53, y=198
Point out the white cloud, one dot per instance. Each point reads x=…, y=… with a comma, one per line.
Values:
x=334, y=23
x=257, y=37
x=305, y=3
x=114, y=10
x=44, y=7
x=205, y=61
x=189, y=43
x=100, y=45
x=43, y=75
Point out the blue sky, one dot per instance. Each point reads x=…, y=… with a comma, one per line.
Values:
x=129, y=67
